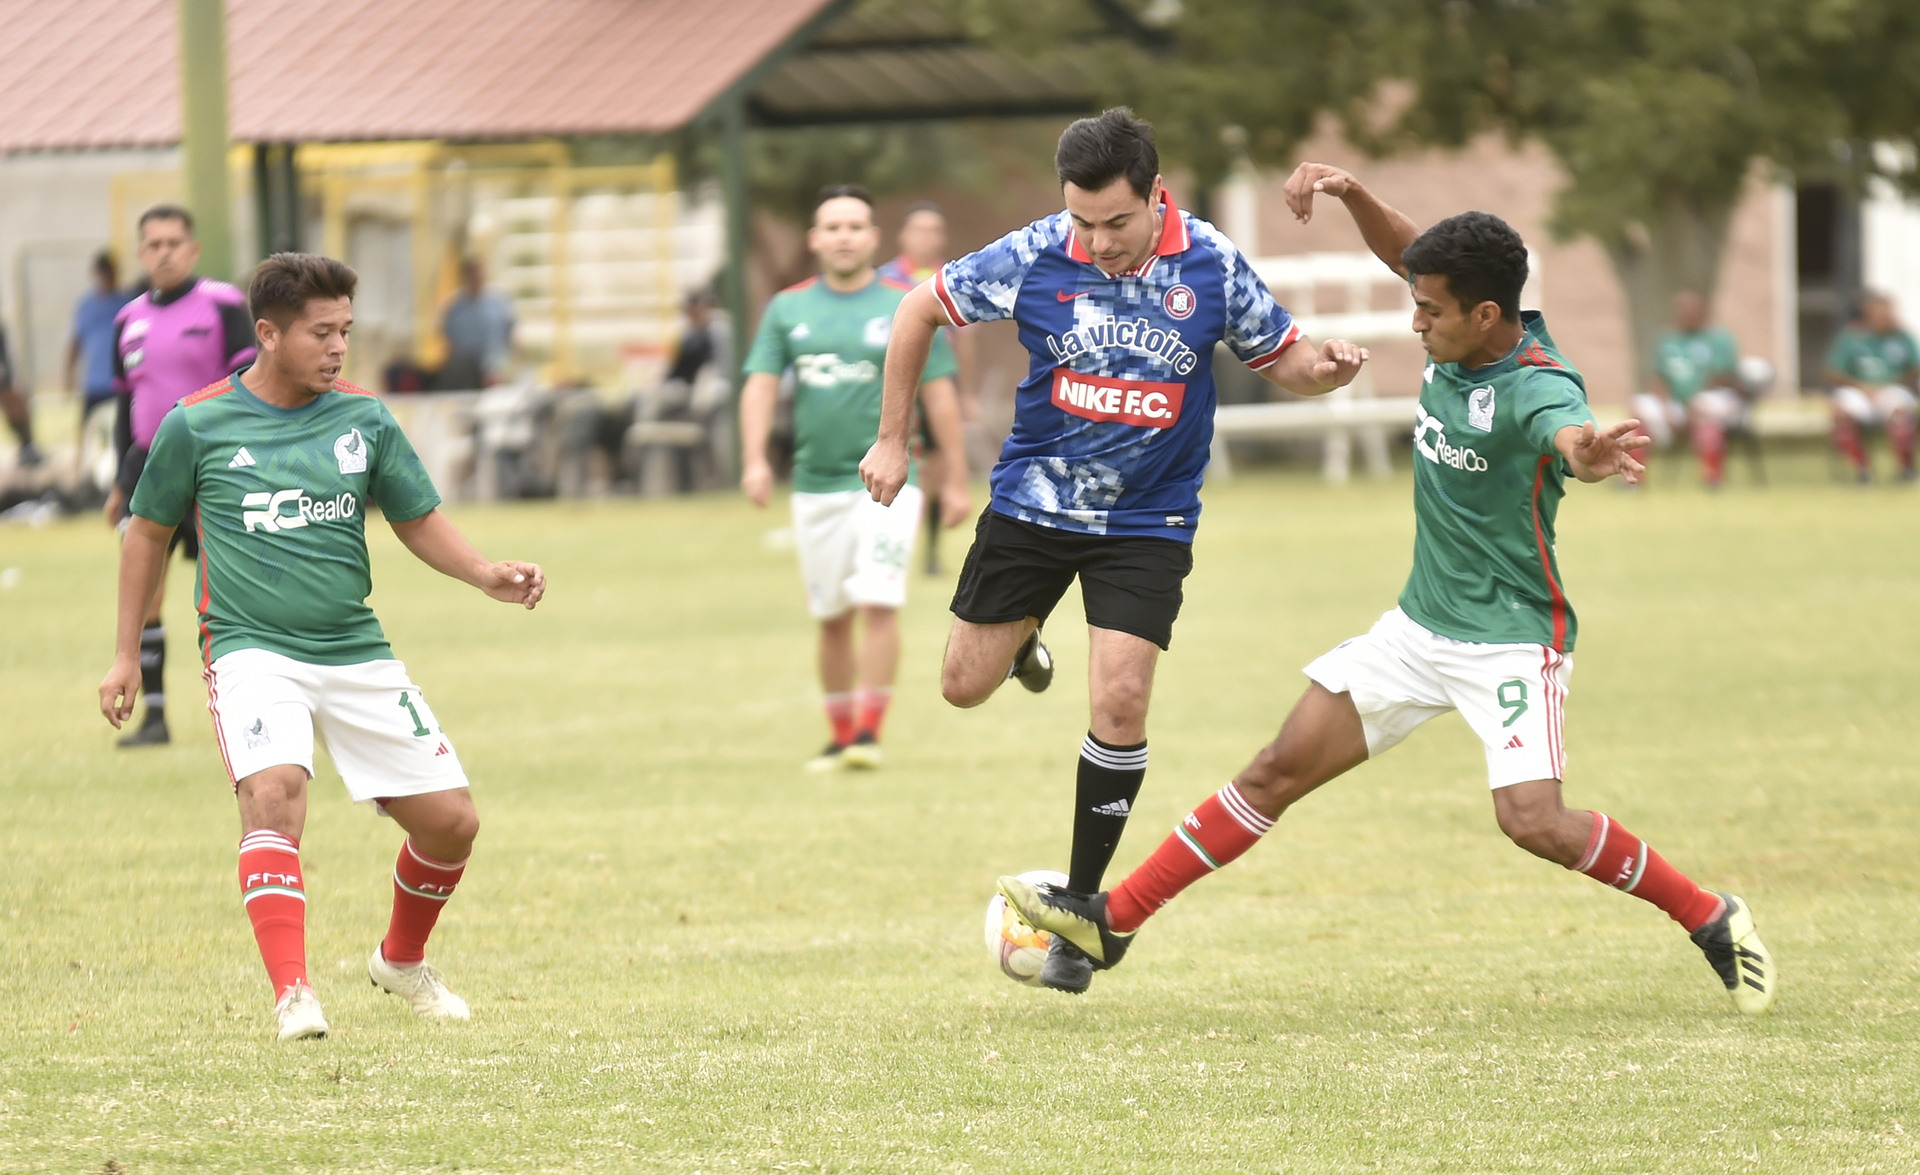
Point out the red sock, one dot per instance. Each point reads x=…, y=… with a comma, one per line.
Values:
x=1710, y=441
x=872, y=705
x=840, y=717
x=1622, y=860
x=276, y=903
x=1846, y=438
x=1900, y=432
x=1212, y=835
x=421, y=887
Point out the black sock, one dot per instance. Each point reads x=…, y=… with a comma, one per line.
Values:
x=1108, y=783
x=153, y=664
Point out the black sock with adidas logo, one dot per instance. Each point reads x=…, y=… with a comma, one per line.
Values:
x=1108, y=783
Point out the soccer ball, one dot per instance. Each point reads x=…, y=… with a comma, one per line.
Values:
x=1019, y=949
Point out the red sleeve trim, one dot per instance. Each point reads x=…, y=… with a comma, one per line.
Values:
x=209, y=392
x=1271, y=357
x=1533, y=355
x=946, y=299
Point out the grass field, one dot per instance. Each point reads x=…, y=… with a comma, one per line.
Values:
x=685, y=955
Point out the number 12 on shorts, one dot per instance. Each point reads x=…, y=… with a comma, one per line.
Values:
x=1513, y=696
x=420, y=728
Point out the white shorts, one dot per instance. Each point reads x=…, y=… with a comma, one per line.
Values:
x=1513, y=696
x=1719, y=405
x=1873, y=405
x=382, y=735
x=1659, y=416
x=853, y=550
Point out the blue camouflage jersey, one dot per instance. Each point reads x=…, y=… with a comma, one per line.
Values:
x=1113, y=424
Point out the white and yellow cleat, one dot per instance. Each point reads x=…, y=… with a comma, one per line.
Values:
x=300, y=1015
x=863, y=753
x=834, y=758
x=1732, y=945
x=420, y=985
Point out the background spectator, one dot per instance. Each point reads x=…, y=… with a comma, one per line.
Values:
x=1874, y=370
x=93, y=332
x=478, y=328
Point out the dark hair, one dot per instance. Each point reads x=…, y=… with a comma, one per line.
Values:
x=836, y=191
x=1481, y=257
x=1094, y=152
x=103, y=263
x=167, y=212
x=286, y=282
x=922, y=206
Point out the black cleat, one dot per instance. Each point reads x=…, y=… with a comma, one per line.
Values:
x=1033, y=665
x=152, y=733
x=1079, y=918
x=1067, y=967
x=1738, y=957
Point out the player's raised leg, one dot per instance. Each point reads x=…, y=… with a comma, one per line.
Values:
x=1321, y=739
x=440, y=830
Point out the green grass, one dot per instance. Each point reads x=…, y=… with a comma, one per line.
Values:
x=685, y=955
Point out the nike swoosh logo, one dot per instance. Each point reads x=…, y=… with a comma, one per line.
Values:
x=1066, y=297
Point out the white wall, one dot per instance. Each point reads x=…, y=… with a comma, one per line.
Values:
x=1890, y=248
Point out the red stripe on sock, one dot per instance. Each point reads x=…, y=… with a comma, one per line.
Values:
x=275, y=900
x=871, y=710
x=1617, y=858
x=421, y=887
x=839, y=709
x=1214, y=834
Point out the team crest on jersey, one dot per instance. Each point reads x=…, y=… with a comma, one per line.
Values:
x=875, y=334
x=351, y=451
x=1180, y=302
x=1480, y=408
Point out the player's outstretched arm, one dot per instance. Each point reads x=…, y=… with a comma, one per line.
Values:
x=1308, y=371
x=1594, y=455
x=143, y=553
x=1386, y=229
x=435, y=541
x=757, y=401
x=941, y=400
x=884, y=468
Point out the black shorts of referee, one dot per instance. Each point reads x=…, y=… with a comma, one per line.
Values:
x=1128, y=583
x=132, y=465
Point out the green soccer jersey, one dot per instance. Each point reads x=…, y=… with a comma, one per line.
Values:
x=1687, y=359
x=1876, y=360
x=837, y=346
x=1487, y=482
x=279, y=496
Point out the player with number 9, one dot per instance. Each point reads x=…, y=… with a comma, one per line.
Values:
x=1482, y=627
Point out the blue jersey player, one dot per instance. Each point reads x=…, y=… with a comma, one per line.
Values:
x=1120, y=301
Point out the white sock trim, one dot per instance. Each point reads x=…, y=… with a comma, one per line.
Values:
x=1131, y=759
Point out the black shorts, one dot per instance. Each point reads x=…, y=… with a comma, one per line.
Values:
x=1015, y=569
x=186, y=536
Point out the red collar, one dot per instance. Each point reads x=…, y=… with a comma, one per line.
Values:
x=1173, y=238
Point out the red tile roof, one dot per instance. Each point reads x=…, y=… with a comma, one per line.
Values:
x=104, y=73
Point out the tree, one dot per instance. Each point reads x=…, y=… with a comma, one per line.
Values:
x=1659, y=110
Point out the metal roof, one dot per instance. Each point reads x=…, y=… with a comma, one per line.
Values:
x=104, y=73
x=912, y=64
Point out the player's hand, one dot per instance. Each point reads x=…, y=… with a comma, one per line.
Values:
x=1309, y=178
x=514, y=583
x=117, y=690
x=757, y=481
x=884, y=470
x=1604, y=454
x=1339, y=361
x=116, y=507
x=956, y=503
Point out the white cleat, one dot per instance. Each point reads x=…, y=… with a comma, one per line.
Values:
x=420, y=985
x=300, y=1015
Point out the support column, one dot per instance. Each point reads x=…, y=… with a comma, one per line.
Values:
x=733, y=183
x=203, y=131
